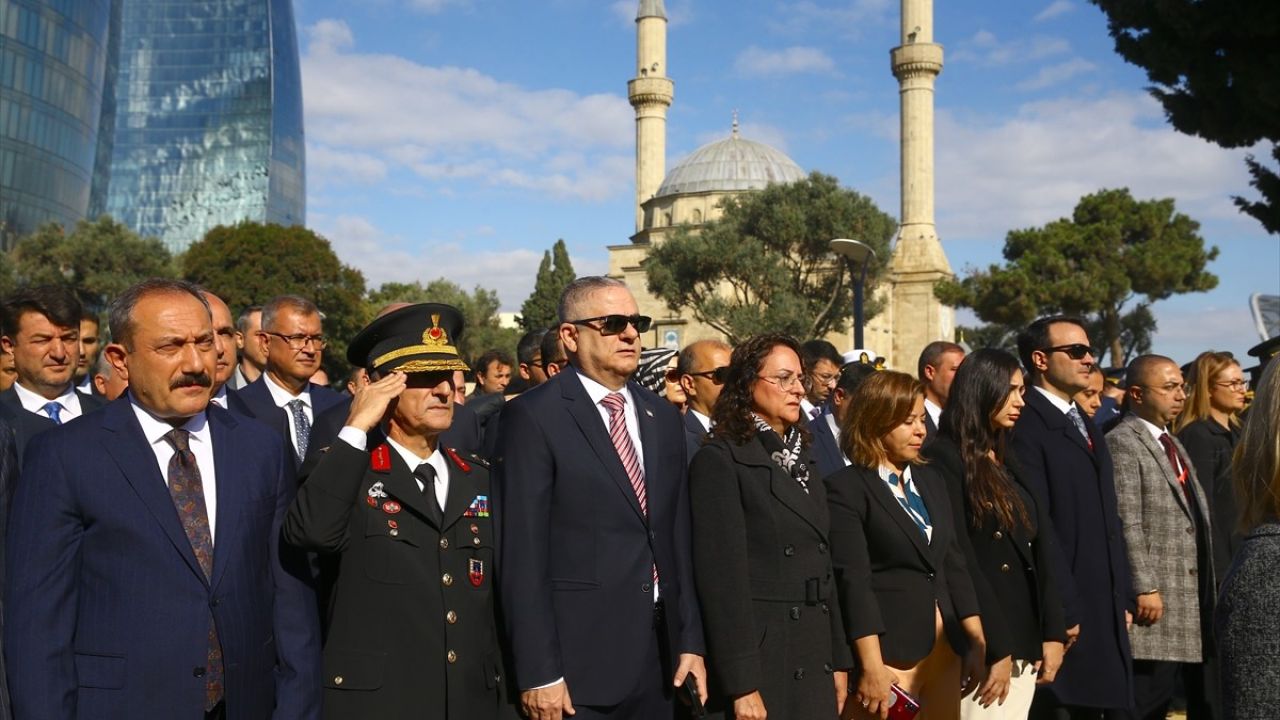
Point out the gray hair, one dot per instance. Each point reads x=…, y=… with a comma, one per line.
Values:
x=103, y=366
x=577, y=292
x=280, y=303
x=120, y=317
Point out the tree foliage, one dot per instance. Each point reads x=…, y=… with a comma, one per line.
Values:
x=99, y=259
x=1108, y=263
x=1215, y=65
x=554, y=273
x=250, y=263
x=479, y=312
x=766, y=264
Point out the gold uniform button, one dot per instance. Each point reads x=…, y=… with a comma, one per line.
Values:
x=444, y=543
x=451, y=617
x=447, y=579
x=393, y=532
x=998, y=535
x=452, y=656
x=475, y=540
x=337, y=680
x=1004, y=567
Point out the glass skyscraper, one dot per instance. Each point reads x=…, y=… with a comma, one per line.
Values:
x=53, y=56
x=173, y=116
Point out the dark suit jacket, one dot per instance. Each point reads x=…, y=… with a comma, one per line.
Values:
x=827, y=457
x=1090, y=561
x=694, y=434
x=257, y=398
x=930, y=428
x=765, y=544
x=575, y=553
x=1209, y=446
x=365, y=507
x=8, y=480
x=108, y=608
x=1011, y=569
x=26, y=424
x=888, y=575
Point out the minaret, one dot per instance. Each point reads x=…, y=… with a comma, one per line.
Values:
x=918, y=261
x=650, y=94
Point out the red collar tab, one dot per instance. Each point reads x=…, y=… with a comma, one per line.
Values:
x=380, y=458
x=466, y=467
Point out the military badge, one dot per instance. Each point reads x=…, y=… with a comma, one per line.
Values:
x=458, y=459
x=475, y=571
x=391, y=507
x=479, y=507
x=376, y=491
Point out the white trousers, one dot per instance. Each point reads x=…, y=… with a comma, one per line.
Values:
x=1022, y=689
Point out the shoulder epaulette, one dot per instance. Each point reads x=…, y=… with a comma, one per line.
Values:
x=380, y=458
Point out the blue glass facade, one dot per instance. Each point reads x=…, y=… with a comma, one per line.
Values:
x=202, y=119
x=52, y=64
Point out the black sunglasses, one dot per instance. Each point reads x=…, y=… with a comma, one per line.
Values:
x=616, y=324
x=716, y=376
x=1076, y=351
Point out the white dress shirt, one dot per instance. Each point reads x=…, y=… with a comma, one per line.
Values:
x=597, y=393
x=898, y=493
x=69, y=400
x=934, y=410
x=1064, y=406
x=834, y=427
x=702, y=419
x=201, y=444
x=282, y=398
x=221, y=398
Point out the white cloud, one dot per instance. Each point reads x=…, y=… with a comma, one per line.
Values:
x=771, y=135
x=1051, y=75
x=1054, y=9
x=849, y=19
x=327, y=166
x=985, y=48
x=788, y=61
x=454, y=124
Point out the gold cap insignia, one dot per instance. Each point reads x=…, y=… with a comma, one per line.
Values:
x=435, y=335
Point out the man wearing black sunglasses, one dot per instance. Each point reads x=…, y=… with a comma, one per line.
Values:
x=590, y=494
x=1067, y=468
x=701, y=367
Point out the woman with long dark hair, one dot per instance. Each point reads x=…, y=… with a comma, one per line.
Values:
x=909, y=606
x=761, y=547
x=1007, y=533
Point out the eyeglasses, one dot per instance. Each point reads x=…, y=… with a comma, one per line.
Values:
x=716, y=375
x=1236, y=385
x=616, y=324
x=1076, y=351
x=828, y=379
x=1169, y=388
x=784, y=382
x=298, y=342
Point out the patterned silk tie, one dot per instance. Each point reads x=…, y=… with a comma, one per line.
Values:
x=187, y=491
x=54, y=410
x=301, y=426
x=1074, y=414
x=615, y=403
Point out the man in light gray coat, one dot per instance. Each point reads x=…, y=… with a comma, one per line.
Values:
x=1166, y=526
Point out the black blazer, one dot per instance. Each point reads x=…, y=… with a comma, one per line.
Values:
x=257, y=398
x=1011, y=570
x=1090, y=559
x=826, y=447
x=8, y=479
x=694, y=434
x=575, y=552
x=761, y=545
x=888, y=576
x=1209, y=447
x=26, y=424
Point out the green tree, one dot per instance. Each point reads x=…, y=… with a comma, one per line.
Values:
x=250, y=263
x=479, y=312
x=766, y=264
x=1108, y=263
x=99, y=259
x=1215, y=67
x=554, y=273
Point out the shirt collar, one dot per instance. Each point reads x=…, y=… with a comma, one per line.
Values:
x=886, y=471
x=412, y=460
x=35, y=403
x=702, y=419
x=598, y=392
x=1064, y=406
x=282, y=397
x=1152, y=428
x=221, y=398
x=934, y=410
x=154, y=429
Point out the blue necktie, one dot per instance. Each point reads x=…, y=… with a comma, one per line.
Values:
x=54, y=409
x=913, y=504
x=301, y=426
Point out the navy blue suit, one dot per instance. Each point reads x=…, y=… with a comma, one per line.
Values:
x=826, y=447
x=1090, y=560
x=694, y=434
x=8, y=479
x=26, y=424
x=108, y=609
x=257, y=399
x=576, y=553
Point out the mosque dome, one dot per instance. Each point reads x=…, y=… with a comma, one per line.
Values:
x=730, y=165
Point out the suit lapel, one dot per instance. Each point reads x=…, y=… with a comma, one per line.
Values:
x=1058, y=420
x=1135, y=426
x=230, y=492
x=137, y=463
x=883, y=495
x=781, y=485
x=650, y=441
x=462, y=490
x=589, y=422
x=400, y=483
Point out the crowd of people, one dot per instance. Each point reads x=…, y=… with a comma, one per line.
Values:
x=195, y=524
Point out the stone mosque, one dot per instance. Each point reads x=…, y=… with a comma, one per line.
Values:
x=690, y=194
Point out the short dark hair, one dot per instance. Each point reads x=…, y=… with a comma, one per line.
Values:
x=1036, y=337
x=932, y=353
x=529, y=346
x=814, y=350
x=57, y=303
x=277, y=304
x=853, y=374
x=552, y=348
x=242, y=322
x=488, y=358
x=121, y=313
x=1136, y=372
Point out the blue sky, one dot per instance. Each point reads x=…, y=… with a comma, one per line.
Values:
x=461, y=138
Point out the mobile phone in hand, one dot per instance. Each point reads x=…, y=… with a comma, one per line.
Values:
x=690, y=689
x=902, y=706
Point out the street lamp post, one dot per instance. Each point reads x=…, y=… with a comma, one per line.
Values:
x=859, y=255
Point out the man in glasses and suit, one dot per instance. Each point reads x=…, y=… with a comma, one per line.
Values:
x=591, y=497
x=1067, y=468
x=701, y=368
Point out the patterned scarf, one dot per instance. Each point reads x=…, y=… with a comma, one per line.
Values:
x=785, y=451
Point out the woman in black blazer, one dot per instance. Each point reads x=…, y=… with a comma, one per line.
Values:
x=908, y=603
x=1007, y=531
x=761, y=549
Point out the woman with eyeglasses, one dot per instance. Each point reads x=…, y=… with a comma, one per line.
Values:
x=908, y=602
x=762, y=561
x=1209, y=428
x=1007, y=531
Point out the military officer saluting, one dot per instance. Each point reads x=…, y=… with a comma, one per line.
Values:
x=411, y=629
